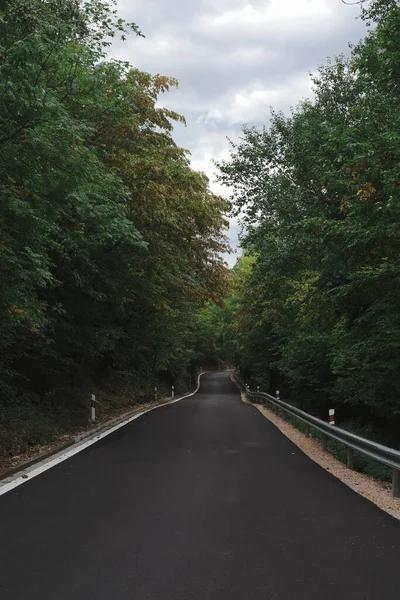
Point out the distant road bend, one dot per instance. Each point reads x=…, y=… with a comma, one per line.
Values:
x=200, y=500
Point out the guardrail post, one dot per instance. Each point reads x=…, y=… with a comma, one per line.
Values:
x=382, y=454
x=350, y=458
x=396, y=483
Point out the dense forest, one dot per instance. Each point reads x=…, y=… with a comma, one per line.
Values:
x=110, y=244
x=315, y=305
x=111, y=269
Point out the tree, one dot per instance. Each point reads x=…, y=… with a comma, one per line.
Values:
x=319, y=191
x=110, y=243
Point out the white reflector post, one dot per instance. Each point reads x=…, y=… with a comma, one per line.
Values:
x=93, y=409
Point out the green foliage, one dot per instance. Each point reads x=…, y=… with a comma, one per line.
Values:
x=109, y=242
x=318, y=313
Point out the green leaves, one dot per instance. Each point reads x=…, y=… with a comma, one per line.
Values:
x=109, y=242
x=319, y=192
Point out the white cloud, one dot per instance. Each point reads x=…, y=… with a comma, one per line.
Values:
x=233, y=59
x=274, y=15
x=252, y=104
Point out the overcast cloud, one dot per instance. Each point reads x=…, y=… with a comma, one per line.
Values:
x=233, y=60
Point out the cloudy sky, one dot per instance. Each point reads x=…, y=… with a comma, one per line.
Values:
x=233, y=60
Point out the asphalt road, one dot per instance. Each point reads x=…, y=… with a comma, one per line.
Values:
x=201, y=500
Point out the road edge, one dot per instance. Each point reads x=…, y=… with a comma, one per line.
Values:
x=35, y=467
x=367, y=487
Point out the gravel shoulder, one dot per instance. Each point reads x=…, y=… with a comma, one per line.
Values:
x=376, y=491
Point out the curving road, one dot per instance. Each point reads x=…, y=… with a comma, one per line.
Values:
x=200, y=500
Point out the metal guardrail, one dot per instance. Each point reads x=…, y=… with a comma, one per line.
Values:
x=382, y=454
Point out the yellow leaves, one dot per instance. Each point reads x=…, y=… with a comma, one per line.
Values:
x=14, y=310
x=345, y=205
x=170, y=204
x=366, y=192
x=243, y=272
x=303, y=288
x=22, y=315
x=356, y=169
x=307, y=297
x=162, y=83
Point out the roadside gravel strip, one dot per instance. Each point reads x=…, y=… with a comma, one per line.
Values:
x=25, y=474
x=377, y=492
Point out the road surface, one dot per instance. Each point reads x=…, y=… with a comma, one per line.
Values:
x=200, y=500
